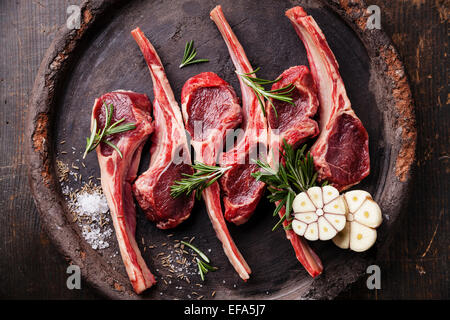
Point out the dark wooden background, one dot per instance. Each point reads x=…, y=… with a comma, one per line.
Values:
x=417, y=263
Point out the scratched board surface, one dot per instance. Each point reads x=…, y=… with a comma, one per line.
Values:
x=416, y=266
x=110, y=60
x=113, y=61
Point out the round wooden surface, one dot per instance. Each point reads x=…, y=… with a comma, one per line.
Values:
x=102, y=56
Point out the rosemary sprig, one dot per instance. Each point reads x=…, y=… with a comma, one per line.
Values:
x=189, y=55
x=201, y=254
x=203, y=177
x=295, y=174
x=256, y=84
x=109, y=129
x=203, y=268
x=203, y=265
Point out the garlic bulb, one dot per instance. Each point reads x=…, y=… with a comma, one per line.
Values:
x=363, y=216
x=319, y=213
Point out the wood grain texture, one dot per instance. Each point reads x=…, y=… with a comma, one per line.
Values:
x=30, y=266
x=417, y=264
x=73, y=70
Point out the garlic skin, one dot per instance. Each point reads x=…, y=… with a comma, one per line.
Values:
x=319, y=213
x=363, y=217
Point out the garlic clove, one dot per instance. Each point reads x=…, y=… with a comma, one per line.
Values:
x=363, y=216
x=369, y=214
x=329, y=193
x=315, y=194
x=299, y=227
x=361, y=237
x=302, y=203
x=312, y=232
x=342, y=239
x=315, y=221
x=336, y=220
x=326, y=230
x=337, y=206
x=306, y=217
x=355, y=199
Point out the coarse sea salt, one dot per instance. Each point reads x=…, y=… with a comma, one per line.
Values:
x=90, y=208
x=92, y=203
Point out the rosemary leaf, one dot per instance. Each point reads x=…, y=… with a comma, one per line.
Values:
x=203, y=265
x=99, y=136
x=200, y=270
x=200, y=253
x=203, y=177
x=256, y=84
x=112, y=145
x=209, y=267
x=90, y=140
x=295, y=174
x=189, y=55
x=279, y=206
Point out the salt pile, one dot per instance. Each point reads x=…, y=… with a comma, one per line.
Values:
x=90, y=208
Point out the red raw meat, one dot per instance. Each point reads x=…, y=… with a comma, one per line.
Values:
x=210, y=108
x=341, y=152
x=117, y=175
x=170, y=153
x=303, y=252
x=241, y=191
x=294, y=124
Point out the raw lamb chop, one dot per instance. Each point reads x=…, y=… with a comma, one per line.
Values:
x=241, y=191
x=341, y=153
x=117, y=174
x=170, y=152
x=210, y=108
x=294, y=124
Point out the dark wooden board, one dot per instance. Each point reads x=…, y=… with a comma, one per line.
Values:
x=388, y=291
x=94, y=68
x=416, y=266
